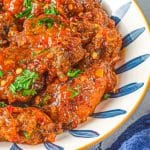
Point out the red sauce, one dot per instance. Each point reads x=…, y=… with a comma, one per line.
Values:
x=56, y=63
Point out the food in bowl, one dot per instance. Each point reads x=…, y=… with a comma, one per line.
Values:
x=56, y=64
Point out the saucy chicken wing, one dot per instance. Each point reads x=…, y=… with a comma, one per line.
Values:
x=25, y=125
x=72, y=102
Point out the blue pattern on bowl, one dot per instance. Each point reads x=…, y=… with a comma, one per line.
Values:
x=84, y=133
x=51, y=146
x=116, y=19
x=15, y=147
x=127, y=89
x=132, y=63
x=119, y=14
x=109, y=114
x=132, y=36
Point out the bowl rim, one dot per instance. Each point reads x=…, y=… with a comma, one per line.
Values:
x=147, y=83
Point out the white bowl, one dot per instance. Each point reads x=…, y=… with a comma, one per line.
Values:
x=133, y=73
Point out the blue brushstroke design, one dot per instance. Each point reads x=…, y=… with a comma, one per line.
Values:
x=115, y=19
x=127, y=89
x=15, y=147
x=120, y=13
x=51, y=146
x=129, y=38
x=84, y=133
x=132, y=63
x=109, y=114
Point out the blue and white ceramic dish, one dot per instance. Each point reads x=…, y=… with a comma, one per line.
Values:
x=133, y=72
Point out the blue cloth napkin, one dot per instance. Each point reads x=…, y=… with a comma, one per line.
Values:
x=136, y=137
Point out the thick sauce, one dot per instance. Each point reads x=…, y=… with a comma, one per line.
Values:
x=56, y=63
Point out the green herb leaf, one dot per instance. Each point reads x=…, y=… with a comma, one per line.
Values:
x=27, y=11
x=33, y=25
x=74, y=92
x=44, y=100
x=29, y=92
x=46, y=21
x=2, y=104
x=52, y=10
x=33, y=54
x=12, y=88
x=27, y=3
x=106, y=96
x=26, y=135
x=22, y=61
x=30, y=16
x=24, y=82
x=74, y=73
x=1, y=73
x=46, y=97
x=42, y=51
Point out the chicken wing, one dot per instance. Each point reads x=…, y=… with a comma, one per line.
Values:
x=25, y=125
x=72, y=102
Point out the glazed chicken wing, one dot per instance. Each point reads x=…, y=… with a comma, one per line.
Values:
x=25, y=125
x=72, y=102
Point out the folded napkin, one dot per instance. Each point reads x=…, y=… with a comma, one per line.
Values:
x=136, y=137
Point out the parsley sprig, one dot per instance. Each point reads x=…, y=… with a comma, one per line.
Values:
x=44, y=100
x=29, y=92
x=27, y=12
x=2, y=104
x=1, y=73
x=75, y=92
x=74, y=73
x=48, y=22
x=27, y=3
x=52, y=10
x=106, y=96
x=24, y=82
x=26, y=135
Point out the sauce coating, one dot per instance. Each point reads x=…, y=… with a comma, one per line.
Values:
x=57, y=61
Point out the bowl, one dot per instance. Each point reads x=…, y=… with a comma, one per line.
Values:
x=133, y=73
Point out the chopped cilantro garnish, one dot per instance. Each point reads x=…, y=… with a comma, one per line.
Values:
x=73, y=73
x=24, y=82
x=2, y=104
x=74, y=91
x=106, y=96
x=29, y=92
x=52, y=10
x=33, y=54
x=27, y=11
x=12, y=88
x=42, y=51
x=27, y=3
x=30, y=16
x=44, y=100
x=1, y=73
x=26, y=135
x=33, y=25
x=46, y=21
x=22, y=61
